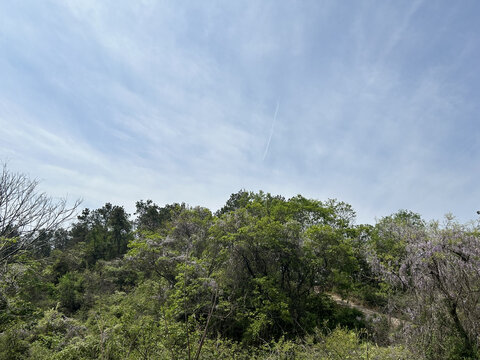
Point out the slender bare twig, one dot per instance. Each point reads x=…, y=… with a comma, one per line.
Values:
x=202, y=340
x=25, y=212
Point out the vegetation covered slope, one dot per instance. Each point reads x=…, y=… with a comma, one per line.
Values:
x=251, y=281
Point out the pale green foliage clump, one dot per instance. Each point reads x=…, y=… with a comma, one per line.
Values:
x=340, y=344
x=344, y=344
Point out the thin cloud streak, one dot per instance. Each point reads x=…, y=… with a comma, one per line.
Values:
x=271, y=131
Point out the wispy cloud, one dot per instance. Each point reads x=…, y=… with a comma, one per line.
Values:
x=118, y=101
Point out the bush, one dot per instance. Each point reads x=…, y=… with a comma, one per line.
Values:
x=70, y=291
x=13, y=345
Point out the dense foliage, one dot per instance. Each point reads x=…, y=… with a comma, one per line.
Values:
x=254, y=280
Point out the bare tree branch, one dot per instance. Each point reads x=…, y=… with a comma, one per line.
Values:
x=25, y=212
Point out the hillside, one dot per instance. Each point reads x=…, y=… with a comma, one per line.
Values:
x=253, y=280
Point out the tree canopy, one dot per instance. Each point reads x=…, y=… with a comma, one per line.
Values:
x=258, y=279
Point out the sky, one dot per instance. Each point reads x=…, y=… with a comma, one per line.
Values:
x=374, y=103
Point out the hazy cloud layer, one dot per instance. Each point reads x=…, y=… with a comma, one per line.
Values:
x=374, y=103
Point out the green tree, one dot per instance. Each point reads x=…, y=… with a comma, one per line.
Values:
x=105, y=231
x=266, y=255
x=435, y=280
x=153, y=218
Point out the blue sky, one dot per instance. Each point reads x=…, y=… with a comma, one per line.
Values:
x=375, y=103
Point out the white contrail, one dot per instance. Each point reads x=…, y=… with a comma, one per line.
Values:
x=271, y=132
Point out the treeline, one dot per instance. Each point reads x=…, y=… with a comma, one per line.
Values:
x=252, y=281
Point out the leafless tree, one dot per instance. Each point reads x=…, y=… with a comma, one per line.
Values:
x=25, y=212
